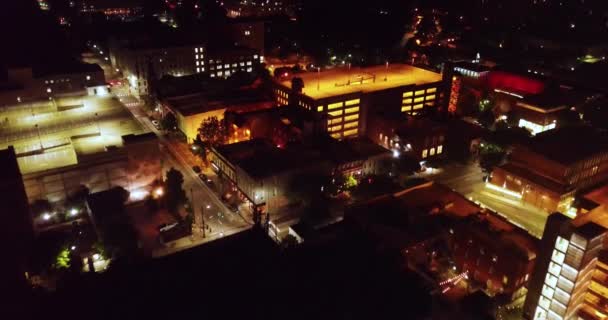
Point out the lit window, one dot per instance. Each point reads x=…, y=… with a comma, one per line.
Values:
x=219, y=73
x=406, y=101
x=561, y=244
x=418, y=106
x=334, y=105
x=334, y=121
x=558, y=257
x=439, y=149
x=406, y=109
x=351, y=125
x=432, y=151
x=196, y=57
x=335, y=113
x=213, y=75
x=431, y=97
x=424, y=153
x=420, y=99
x=234, y=65
x=219, y=66
x=242, y=64
x=351, y=110
x=408, y=94
x=201, y=49
x=336, y=135
x=351, y=132
x=351, y=117
x=255, y=56
x=203, y=69
x=197, y=63
x=249, y=69
x=88, y=77
x=335, y=128
x=419, y=92
x=248, y=63
x=320, y=108
x=352, y=102
x=431, y=90
x=226, y=66
x=247, y=32
x=198, y=69
x=227, y=73
x=48, y=90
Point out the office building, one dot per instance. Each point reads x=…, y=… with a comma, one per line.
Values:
x=421, y=139
x=571, y=273
x=550, y=168
x=191, y=110
x=71, y=78
x=144, y=60
x=262, y=172
x=346, y=95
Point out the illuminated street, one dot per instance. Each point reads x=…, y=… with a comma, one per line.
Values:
x=220, y=220
x=467, y=179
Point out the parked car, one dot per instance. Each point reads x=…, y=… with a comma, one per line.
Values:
x=197, y=169
x=155, y=123
x=204, y=178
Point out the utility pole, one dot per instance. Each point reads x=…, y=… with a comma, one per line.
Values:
x=39, y=139
x=203, y=220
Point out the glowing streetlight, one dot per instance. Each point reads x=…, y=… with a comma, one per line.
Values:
x=73, y=248
x=159, y=192
x=96, y=256
x=46, y=216
x=73, y=212
x=396, y=153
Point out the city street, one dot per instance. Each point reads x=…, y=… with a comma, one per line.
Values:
x=220, y=221
x=467, y=179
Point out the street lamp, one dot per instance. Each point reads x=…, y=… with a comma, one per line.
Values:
x=39, y=139
x=73, y=212
x=46, y=216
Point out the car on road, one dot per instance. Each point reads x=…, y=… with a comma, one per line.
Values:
x=234, y=208
x=205, y=178
x=155, y=123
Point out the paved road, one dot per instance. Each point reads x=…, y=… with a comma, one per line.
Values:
x=220, y=219
x=467, y=179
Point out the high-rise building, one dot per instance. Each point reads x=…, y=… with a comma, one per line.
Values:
x=570, y=280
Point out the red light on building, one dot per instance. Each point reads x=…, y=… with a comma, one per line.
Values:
x=514, y=82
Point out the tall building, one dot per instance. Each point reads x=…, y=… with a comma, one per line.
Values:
x=548, y=170
x=346, y=94
x=570, y=280
x=17, y=237
x=146, y=60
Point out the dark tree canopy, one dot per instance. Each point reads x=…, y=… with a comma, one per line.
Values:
x=213, y=132
x=174, y=193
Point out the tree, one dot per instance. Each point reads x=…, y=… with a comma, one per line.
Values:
x=199, y=148
x=62, y=261
x=169, y=122
x=213, y=132
x=297, y=84
x=487, y=118
x=40, y=207
x=289, y=242
x=490, y=156
x=350, y=182
x=174, y=193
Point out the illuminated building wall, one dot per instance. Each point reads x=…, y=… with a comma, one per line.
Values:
x=535, y=128
x=31, y=85
x=501, y=261
x=570, y=279
x=454, y=94
x=179, y=61
x=554, y=166
x=414, y=100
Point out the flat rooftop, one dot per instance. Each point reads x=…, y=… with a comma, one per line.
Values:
x=237, y=100
x=68, y=128
x=260, y=159
x=569, y=144
x=341, y=81
x=551, y=101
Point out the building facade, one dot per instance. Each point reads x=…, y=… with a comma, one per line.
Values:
x=142, y=65
x=570, y=280
x=553, y=166
x=347, y=94
x=29, y=84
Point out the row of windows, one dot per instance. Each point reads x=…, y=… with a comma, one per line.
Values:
x=432, y=151
x=419, y=92
x=199, y=49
